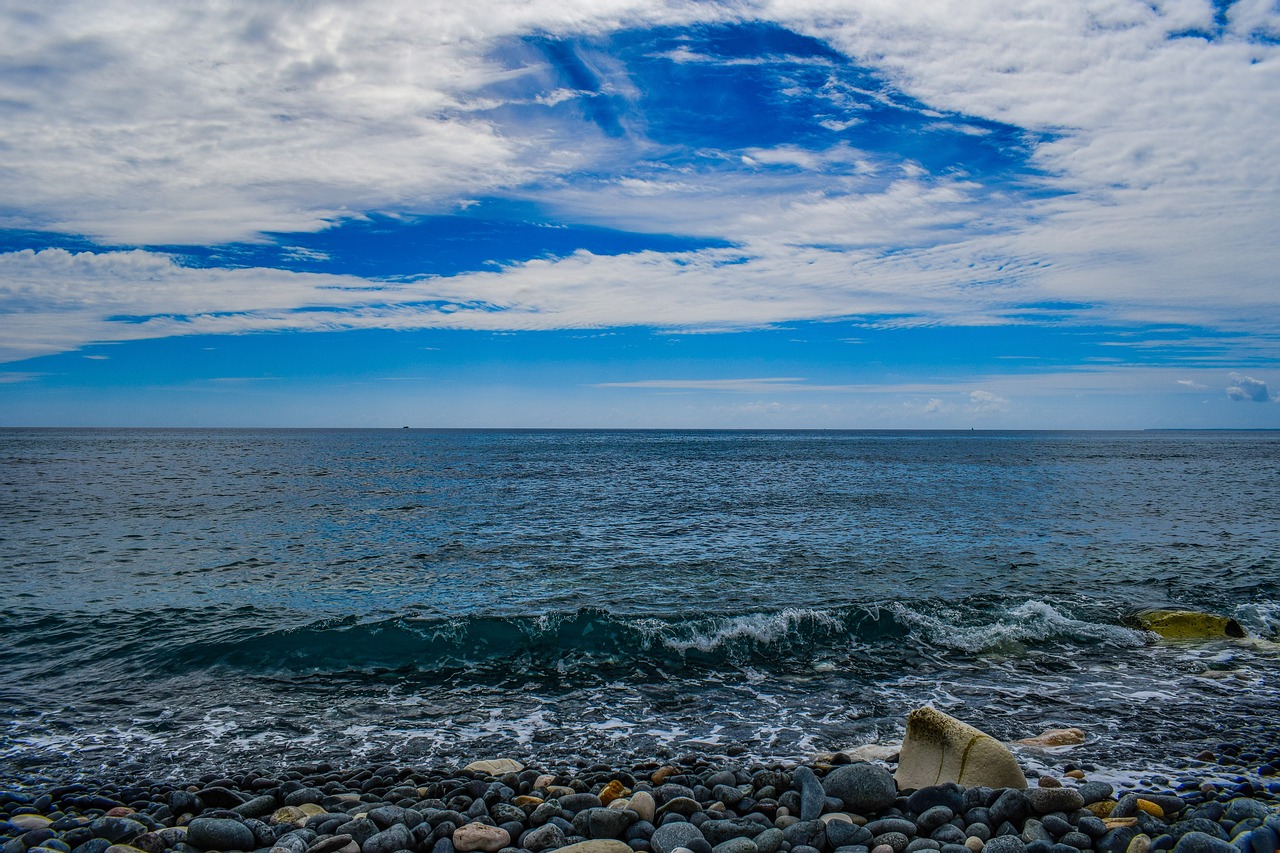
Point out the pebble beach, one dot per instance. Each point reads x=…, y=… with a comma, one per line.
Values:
x=714, y=804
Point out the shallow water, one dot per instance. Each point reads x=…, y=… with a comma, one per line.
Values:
x=189, y=599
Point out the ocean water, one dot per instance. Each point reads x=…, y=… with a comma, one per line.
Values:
x=179, y=601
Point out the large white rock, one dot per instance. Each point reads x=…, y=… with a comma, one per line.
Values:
x=938, y=748
x=495, y=766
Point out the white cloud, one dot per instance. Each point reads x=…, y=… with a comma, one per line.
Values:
x=1193, y=385
x=1248, y=389
x=149, y=122
x=983, y=402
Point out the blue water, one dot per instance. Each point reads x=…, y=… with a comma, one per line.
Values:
x=183, y=600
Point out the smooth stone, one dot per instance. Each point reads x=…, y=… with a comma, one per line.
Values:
x=1012, y=806
x=29, y=821
x=882, y=848
x=361, y=829
x=643, y=804
x=575, y=803
x=332, y=844
x=118, y=829
x=841, y=834
x=480, y=836
x=257, y=807
x=390, y=840
x=669, y=836
x=863, y=787
x=495, y=766
x=303, y=796
x=1200, y=842
x=933, y=818
x=950, y=795
x=769, y=841
x=1094, y=792
x=891, y=824
x=206, y=833
x=1005, y=844
x=603, y=845
x=1242, y=808
x=951, y=834
x=685, y=806
x=812, y=795
x=939, y=748
x=1047, y=800
x=974, y=843
x=895, y=841
x=918, y=844
x=601, y=823
x=547, y=836
x=736, y=845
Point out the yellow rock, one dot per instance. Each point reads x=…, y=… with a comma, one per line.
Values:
x=1119, y=822
x=1075, y=774
x=525, y=800
x=1141, y=843
x=289, y=814
x=612, y=791
x=1189, y=625
x=1151, y=808
x=939, y=748
x=1102, y=808
x=312, y=809
x=1054, y=737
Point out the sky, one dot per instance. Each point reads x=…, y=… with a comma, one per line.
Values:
x=854, y=214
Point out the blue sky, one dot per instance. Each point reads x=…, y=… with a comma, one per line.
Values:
x=614, y=213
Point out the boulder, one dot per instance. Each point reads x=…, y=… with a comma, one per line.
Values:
x=939, y=748
x=1189, y=625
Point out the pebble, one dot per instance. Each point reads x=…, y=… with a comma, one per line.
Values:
x=687, y=806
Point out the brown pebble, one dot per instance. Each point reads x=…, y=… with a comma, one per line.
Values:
x=1074, y=774
x=612, y=791
x=662, y=774
x=1049, y=782
x=526, y=800
x=1119, y=822
x=975, y=843
x=120, y=811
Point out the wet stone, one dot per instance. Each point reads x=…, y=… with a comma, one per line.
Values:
x=219, y=834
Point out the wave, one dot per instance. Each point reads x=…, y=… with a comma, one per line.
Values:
x=588, y=642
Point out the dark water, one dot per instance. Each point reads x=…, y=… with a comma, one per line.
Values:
x=186, y=600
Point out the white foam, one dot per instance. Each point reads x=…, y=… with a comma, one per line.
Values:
x=1028, y=622
x=763, y=628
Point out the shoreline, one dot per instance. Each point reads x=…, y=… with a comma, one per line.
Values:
x=693, y=804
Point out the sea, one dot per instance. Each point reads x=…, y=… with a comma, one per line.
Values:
x=183, y=601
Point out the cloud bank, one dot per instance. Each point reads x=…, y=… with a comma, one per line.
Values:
x=975, y=163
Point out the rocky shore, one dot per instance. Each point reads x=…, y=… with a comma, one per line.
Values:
x=690, y=806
